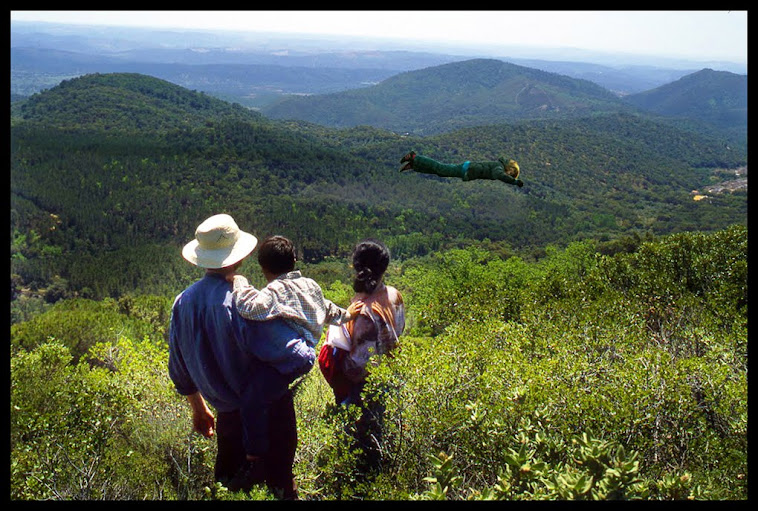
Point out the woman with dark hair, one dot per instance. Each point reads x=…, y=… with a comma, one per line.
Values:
x=372, y=334
x=375, y=330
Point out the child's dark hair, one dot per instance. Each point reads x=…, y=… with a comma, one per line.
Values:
x=370, y=261
x=277, y=255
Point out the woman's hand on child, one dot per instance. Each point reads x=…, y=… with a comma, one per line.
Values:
x=355, y=308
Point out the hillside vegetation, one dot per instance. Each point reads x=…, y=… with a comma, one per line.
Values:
x=582, y=376
x=111, y=167
x=583, y=337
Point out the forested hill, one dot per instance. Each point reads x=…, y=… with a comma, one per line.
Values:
x=121, y=168
x=715, y=97
x=449, y=96
x=127, y=102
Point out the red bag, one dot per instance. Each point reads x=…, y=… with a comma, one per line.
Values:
x=330, y=362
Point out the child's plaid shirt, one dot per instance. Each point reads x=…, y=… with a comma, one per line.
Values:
x=292, y=297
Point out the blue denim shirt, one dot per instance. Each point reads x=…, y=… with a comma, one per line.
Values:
x=212, y=349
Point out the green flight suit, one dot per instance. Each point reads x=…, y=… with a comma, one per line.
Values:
x=466, y=171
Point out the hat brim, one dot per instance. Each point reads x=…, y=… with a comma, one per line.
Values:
x=220, y=258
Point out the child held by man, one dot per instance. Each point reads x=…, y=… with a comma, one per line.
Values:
x=289, y=296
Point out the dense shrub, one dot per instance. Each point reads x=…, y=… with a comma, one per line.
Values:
x=110, y=427
x=578, y=376
x=79, y=323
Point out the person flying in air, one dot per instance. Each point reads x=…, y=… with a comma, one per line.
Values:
x=503, y=170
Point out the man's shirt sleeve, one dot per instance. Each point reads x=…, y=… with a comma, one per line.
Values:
x=177, y=369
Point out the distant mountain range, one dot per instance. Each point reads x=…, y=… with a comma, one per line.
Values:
x=486, y=91
x=34, y=69
x=258, y=69
x=345, y=83
x=259, y=78
x=454, y=95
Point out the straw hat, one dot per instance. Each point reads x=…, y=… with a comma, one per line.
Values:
x=218, y=243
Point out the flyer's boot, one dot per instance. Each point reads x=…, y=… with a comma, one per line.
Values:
x=407, y=161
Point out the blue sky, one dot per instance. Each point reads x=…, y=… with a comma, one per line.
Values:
x=702, y=35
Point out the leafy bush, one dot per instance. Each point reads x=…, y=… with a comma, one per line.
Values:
x=79, y=323
x=578, y=376
x=111, y=427
x=464, y=285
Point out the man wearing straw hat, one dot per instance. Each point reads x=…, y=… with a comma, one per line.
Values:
x=216, y=357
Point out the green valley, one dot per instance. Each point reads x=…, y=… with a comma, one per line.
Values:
x=106, y=164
